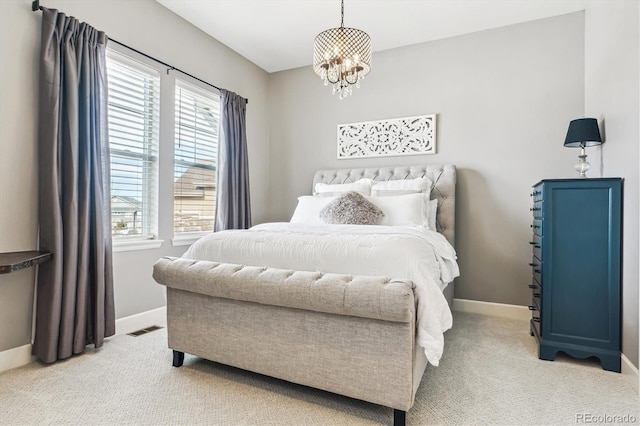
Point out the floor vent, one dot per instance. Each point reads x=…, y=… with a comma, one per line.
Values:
x=144, y=331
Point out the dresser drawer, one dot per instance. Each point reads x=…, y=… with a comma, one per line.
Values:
x=534, y=307
x=536, y=296
x=536, y=316
x=536, y=226
x=537, y=209
x=537, y=275
x=536, y=304
x=535, y=286
x=536, y=269
x=537, y=193
x=535, y=327
x=536, y=246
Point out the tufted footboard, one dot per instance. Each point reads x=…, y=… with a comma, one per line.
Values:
x=351, y=335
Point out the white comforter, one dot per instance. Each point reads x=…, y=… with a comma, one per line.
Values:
x=422, y=256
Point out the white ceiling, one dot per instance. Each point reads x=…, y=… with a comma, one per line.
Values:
x=278, y=34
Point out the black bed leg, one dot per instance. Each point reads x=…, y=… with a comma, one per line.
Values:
x=399, y=417
x=178, y=358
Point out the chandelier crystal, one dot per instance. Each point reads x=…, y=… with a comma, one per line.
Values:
x=342, y=57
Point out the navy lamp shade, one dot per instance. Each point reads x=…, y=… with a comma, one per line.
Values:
x=583, y=132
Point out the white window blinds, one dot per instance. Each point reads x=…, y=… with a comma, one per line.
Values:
x=196, y=154
x=133, y=114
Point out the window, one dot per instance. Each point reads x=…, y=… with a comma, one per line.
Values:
x=196, y=151
x=133, y=114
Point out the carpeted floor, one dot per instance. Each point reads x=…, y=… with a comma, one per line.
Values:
x=490, y=374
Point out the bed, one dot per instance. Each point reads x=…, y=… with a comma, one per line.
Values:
x=299, y=302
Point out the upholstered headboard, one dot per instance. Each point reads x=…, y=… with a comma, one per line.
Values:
x=443, y=189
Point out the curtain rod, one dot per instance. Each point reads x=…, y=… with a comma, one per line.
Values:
x=35, y=6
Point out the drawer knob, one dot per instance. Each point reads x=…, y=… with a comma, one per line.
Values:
x=532, y=286
x=536, y=294
x=535, y=319
x=533, y=264
x=537, y=271
x=532, y=308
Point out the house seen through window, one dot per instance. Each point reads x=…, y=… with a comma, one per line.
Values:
x=196, y=151
x=133, y=117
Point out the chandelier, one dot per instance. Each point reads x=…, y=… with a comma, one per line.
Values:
x=342, y=57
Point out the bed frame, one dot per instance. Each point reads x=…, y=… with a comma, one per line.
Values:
x=351, y=335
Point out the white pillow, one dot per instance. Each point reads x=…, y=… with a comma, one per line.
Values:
x=402, y=186
x=431, y=217
x=308, y=209
x=401, y=210
x=363, y=186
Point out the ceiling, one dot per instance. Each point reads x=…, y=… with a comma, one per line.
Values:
x=278, y=34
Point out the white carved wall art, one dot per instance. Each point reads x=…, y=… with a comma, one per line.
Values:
x=396, y=136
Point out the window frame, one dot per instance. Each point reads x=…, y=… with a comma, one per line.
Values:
x=189, y=237
x=150, y=239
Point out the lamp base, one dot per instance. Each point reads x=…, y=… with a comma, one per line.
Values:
x=583, y=166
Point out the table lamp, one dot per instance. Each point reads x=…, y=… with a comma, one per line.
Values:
x=583, y=132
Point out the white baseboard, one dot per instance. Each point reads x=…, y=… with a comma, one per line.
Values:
x=493, y=309
x=629, y=369
x=523, y=313
x=142, y=320
x=16, y=357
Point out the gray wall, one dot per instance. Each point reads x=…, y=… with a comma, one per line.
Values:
x=18, y=172
x=504, y=99
x=612, y=94
x=153, y=29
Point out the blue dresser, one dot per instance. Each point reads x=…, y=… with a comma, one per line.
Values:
x=576, y=263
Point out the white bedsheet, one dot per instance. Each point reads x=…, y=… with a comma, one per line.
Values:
x=422, y=256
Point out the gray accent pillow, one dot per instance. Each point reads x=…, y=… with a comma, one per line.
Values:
x=351, y=208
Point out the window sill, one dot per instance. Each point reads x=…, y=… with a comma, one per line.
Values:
x=187, y=240
x=120, y=246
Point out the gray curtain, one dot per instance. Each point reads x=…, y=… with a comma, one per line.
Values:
x=233, y=207
x=75, y=288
